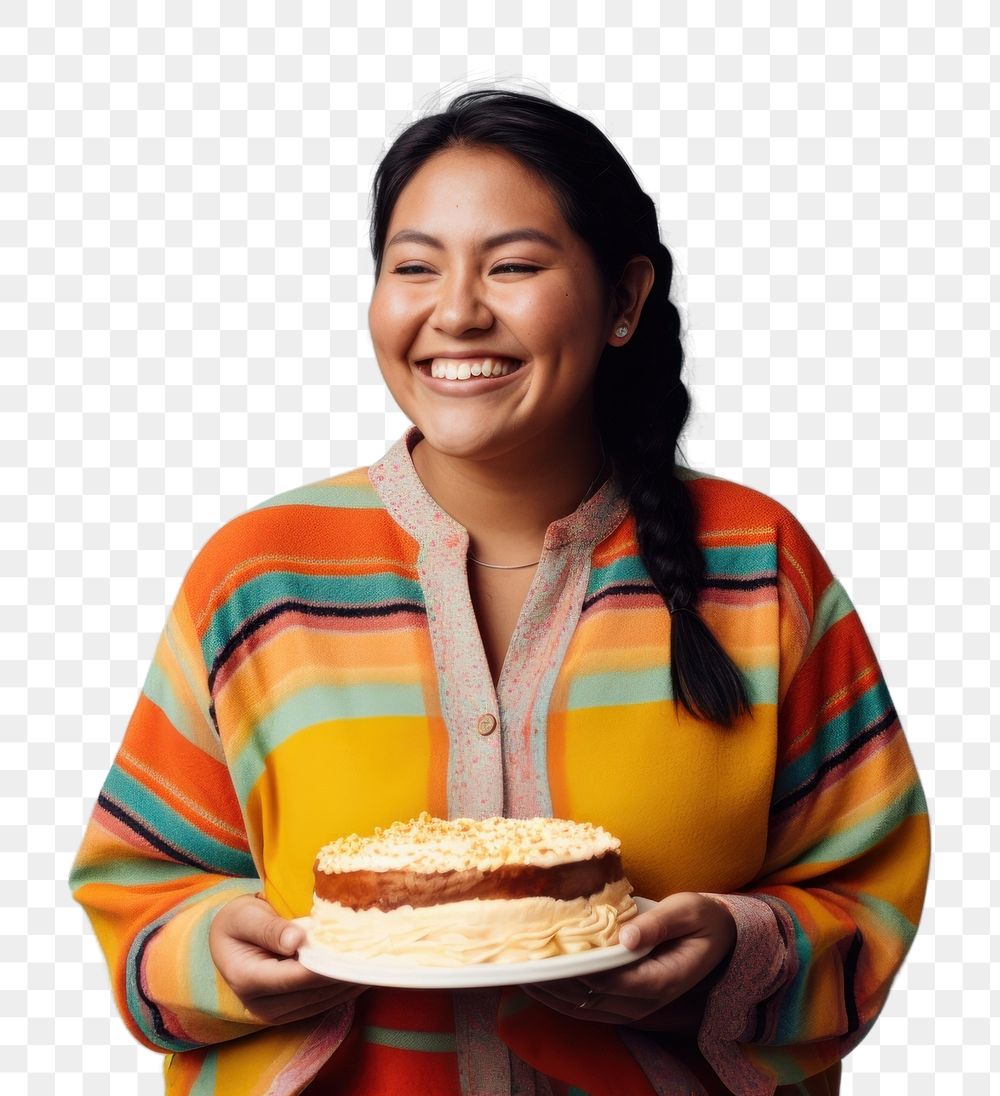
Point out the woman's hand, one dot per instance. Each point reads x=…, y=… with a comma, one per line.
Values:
x=667, y=989
x=252, y=947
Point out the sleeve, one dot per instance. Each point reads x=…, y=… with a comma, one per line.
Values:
x=825, y=926
x=164, y=850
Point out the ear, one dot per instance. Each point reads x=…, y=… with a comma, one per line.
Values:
x=630, y=295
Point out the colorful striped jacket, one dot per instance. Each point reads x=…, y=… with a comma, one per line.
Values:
x=321, y=672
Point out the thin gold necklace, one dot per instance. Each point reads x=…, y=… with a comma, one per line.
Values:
x=521, y=566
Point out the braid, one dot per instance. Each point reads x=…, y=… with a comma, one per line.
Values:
x=641, y=436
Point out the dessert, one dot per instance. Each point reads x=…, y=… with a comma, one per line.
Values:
x=448, y=893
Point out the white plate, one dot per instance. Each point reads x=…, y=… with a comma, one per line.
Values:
x=384, y=971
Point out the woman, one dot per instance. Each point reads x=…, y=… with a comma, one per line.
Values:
x=527, y=607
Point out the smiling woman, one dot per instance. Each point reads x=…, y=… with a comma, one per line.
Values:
x=481, y=267
x=527, y=608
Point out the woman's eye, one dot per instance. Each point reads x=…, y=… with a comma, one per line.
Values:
x=504, y=268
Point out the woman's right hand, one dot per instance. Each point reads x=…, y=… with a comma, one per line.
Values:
x=253, y=949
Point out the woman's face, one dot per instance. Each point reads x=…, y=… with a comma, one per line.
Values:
x=451, y=291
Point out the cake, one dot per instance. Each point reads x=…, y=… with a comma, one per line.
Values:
x=449, y=893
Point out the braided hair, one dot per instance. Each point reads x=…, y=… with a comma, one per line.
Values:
x=642, y=403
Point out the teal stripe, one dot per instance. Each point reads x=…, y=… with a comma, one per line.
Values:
x=733, y=561
x=159, y=691
x=157, y=816
x=833, y=606
x=730, y=561
x=327, y=494
x=628, y=569
x=574, y=1091
x=204, y=1084
x=438, y=1042
x=357, y=591
x=834, y=735
x=201, y=969
x=605, y=690
x=653, y=686
x=320, y=704
x=903, y=928
x=129, y=872
x=794, y=1003
x=864, y=835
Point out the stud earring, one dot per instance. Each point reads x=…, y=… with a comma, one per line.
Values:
x=621, y=330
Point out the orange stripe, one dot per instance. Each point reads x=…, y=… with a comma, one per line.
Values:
x=307, y=537
x=369, y=1069
x=588, y=1055
x=206, y=781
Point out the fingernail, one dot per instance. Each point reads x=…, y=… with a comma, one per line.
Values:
x=629, y=936
x=288, y=939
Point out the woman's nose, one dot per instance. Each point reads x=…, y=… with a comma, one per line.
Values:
x=461, y=304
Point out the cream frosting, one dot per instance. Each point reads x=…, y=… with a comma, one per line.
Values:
x=429, y=844
x=499, y=930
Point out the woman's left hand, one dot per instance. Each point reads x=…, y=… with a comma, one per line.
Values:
x=692, y=935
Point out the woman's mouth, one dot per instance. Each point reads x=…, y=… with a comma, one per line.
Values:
x=468, y=369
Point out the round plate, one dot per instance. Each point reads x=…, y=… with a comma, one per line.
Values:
x=383, y=971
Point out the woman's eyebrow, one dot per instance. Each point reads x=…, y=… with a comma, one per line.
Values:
x=534, y=235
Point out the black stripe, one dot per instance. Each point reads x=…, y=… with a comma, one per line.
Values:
x=833, y=761
x=147, y=834
x=624, y=588
x=619, y=588
x=311, y=609
x=759, y=583
x=850, y=970
x=159, y=1027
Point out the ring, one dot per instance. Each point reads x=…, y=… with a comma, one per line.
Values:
x=588, y=1001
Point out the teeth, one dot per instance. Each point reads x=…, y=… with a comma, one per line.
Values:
x=454, y=370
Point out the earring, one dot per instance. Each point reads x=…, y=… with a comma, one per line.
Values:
x=621, y=330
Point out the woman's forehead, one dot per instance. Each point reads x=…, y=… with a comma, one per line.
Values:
x=488, y=194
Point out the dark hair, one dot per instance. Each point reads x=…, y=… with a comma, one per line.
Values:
x=640, y=421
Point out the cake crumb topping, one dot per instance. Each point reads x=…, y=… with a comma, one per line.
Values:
x=428, y=844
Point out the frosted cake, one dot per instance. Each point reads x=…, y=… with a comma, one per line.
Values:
x=447, y=893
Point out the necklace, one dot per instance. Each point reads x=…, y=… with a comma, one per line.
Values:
x=521, y=566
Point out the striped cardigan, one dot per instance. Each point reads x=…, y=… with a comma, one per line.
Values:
x=321, y=673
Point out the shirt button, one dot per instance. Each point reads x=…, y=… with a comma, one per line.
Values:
x=486, y=724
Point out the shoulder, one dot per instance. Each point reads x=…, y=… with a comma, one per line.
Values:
x=312, y=526
x=722, y=504
x=731, y=514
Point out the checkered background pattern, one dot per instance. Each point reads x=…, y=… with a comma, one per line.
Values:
x=184, y=279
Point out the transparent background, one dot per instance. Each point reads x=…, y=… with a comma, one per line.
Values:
x=184, y=279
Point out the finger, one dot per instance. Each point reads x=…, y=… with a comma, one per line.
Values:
x=257, y=975
x=290, y=976
x=256, y=923
x=675, y=916
x=663, y=973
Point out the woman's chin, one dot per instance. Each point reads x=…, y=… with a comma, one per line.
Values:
x=461, y=444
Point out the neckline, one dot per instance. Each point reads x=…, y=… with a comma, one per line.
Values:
x=398, y=484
